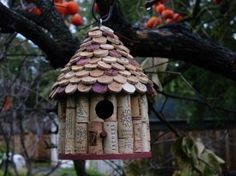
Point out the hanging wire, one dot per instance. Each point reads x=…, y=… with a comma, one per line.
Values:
x=104, y=18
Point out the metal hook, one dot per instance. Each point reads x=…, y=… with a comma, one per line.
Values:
x=100, y=21
x=104, y=18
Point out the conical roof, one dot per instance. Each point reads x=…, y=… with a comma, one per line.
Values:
x=102, y=64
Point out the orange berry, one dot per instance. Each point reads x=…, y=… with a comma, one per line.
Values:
x=177, y=17
x=61, y=8
x=159, y=21
x=76, y=20
x=159, y=8
x=151, y=22
x=167, y=13
x=72, y=7
x=35, y=11
x=58, y=1
x=169, y=20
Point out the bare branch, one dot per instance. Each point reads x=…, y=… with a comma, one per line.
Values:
x=172, y=41
x=58, y=53
x=163, y=120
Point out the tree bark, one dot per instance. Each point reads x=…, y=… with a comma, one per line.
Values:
x=80, y=167
x=174, y=41
x=56, y=42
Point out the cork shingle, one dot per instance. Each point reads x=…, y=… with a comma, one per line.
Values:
x=102, y=64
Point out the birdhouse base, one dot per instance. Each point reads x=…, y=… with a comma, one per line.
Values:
x=105, y=156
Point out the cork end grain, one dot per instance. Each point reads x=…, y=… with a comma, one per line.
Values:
x=102, y=64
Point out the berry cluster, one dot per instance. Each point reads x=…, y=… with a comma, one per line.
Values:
x=64, y=8
x=164, y=15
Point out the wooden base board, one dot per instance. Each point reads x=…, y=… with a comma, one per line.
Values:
x=132, y=156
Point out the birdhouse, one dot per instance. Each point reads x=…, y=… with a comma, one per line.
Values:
x=102, y=103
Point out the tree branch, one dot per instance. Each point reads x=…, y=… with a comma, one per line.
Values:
x=190, y=99
x=163, y=120
x=58, y=52
x=172, y=41
x=54, y=23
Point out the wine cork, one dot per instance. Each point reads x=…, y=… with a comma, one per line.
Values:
x=61, y=110
x=82, y=109
x=126, y=145
x=146, y=146
x=95, y=99
x=81, y=138
x=62, y=124
x=70, y=102
x=146, y=137
x=70, y=122
x=113, y=100
x=125, y=125
x=148, y=131
x=144, y=108
x=70, y=130
x=138, y=146
x=137, y=125
x=135, y=107
x=69, y=146
x=111, y=140
x=61, y=143
x=94, y=139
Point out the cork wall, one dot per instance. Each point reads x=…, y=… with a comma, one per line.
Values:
x=103, y=125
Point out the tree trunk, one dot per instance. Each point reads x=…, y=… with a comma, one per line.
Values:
x=80, y=167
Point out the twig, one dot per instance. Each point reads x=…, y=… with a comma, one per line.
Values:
x=22, y=140
x=163, y=104
x=149, y=4
x=6, y=139
x=163, y=120
x=53, y=169
x=202, y=100
x=13, y=152
x=158, y=137
x=7, y=149
x=114, y=166
x=195, y=100
x=196, y=7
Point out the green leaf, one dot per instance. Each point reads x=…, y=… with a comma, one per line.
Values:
x=194, y=159
x=217, y=158
x=200, y=147
x=190, y=150
x=176, y=149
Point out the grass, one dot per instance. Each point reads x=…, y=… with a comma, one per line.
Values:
x=71, y=172
x=44, y=167
x=65, y=172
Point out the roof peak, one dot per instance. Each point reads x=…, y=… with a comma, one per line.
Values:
x=101, y=64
